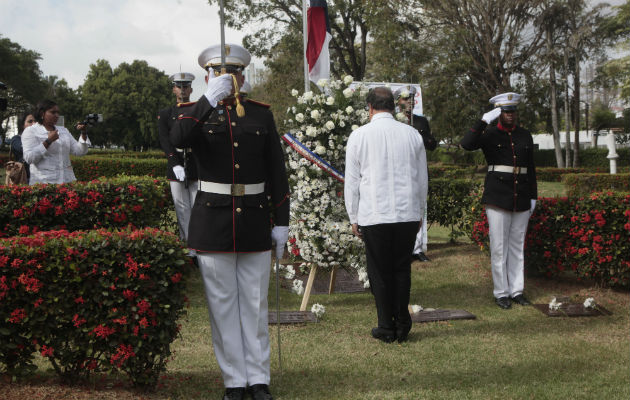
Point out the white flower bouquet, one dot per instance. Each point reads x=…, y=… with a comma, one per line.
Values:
x=318, y=310
x=320, y=232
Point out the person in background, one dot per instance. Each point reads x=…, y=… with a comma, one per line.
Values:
x=509, y=194
x=242, y=180
x=180, y=171
x=15, y=143
x=404, y=96
x=47, y=147
x=385, y=192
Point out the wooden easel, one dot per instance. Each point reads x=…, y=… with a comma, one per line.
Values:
x=309, y=284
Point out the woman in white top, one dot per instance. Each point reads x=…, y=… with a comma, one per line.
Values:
x=47, y=147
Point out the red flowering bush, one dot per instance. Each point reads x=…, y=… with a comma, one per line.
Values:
x=115, y=202
x=91, y=301
x=590, y=236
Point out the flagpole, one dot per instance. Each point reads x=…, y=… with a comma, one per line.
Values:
x=305, y=40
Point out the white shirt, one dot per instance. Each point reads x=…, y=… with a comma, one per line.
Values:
x=51, y=165
x=386, y=173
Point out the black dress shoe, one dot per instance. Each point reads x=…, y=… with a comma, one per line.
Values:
x=236, y=393
x=503, y=302
x=260, y=392
x=423, y=257
x=520, y=299
x=384, y=335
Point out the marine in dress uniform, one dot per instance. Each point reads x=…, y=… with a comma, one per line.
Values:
x=421, y=123
x=181, y=171
x=242, y=182
x=510, y=193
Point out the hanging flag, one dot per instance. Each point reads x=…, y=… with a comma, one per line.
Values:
x=317, y=54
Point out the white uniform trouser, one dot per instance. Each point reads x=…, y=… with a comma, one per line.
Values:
x=236, y=286
x=421, y=237
x=507, y=239
x=184, y=199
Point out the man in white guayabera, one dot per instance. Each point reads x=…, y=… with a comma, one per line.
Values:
x=385, y=195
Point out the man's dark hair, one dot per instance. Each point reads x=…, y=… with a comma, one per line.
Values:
x=381, y=98
x=22, y=119
x=41, y=108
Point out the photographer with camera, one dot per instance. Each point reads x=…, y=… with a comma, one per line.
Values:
x=47, y=147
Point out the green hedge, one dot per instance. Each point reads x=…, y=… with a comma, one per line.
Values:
x=116, y=202
x=448, y=199
x=586, y=157
x=91, y=167
x=115, y=153
x=91, y=301
x=451, y=171
x=583, y=184
x=589, y=236
x=552, y=174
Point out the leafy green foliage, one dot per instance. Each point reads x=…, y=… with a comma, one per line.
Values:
x=87, y=168
x=448, y=201
x=583, y=184
x=92, y=301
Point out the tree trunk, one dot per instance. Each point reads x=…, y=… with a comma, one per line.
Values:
x=567, y=117
x=576, y=105
x=554, y=104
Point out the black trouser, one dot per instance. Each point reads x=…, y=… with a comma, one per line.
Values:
x=388, y=248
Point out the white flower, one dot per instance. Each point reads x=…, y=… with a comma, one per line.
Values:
x=589, y=303
x=554, y=305
x=330, y=125
x=298, y=287
x=348, y=92
x=399, y=116
x=404, y=94
x=330, y=100
x=416, y=308
x=322, y=82
x=315, y=114
x=311, y=131
x=294, y=93
x=290, y=274
x=348, y=79
x=355, y=127
x=307, y=96
x=320, y=150
x=299, y=117
x=318, y=310
x=349, y=110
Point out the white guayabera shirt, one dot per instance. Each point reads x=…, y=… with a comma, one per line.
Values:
x=386, y=173
x=51, y=165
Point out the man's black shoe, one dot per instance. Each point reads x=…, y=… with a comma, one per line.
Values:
x=420, y=257
x=236, y=393
x=520, y=299
x=503, y=302
x=260, y=392
x=385, y=335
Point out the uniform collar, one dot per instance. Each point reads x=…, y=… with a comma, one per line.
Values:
x=504, y=129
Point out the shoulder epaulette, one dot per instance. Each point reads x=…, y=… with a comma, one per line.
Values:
x=190, y=103
x=259, y=103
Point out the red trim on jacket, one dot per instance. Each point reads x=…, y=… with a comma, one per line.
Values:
x=286, y=196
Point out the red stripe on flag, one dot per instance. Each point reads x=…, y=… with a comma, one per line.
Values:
x=316, y=20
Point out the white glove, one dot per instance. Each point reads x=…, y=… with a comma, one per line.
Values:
x=491, y=115
x=218, y=88
x=533, y=205
x=279, y=236
x=180, y=174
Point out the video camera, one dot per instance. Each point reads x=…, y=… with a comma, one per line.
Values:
x=3, y=100
x=92, y=119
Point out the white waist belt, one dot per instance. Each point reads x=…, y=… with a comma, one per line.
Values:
x=234, y=189
x=507, y=168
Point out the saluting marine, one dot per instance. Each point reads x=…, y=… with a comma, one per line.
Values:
x=510, y=193
x=240, y=164
x=181, y=171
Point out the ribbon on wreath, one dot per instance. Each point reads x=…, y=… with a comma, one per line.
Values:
x=312, y=157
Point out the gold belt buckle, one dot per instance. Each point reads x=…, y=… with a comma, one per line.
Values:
x=237, y=189
x=517, y=170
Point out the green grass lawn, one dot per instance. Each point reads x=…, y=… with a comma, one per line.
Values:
x=514, y=354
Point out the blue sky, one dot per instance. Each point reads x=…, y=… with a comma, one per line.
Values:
x=72, y=34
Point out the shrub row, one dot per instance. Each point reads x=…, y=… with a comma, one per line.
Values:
x=106, y=203
x=586, y=157
x=589, y=236
x=451, y=171
x=448, y=199
x=116, y=153
x=91, y=301
x=583, y=184
x=553, y=174
x=90, y=167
